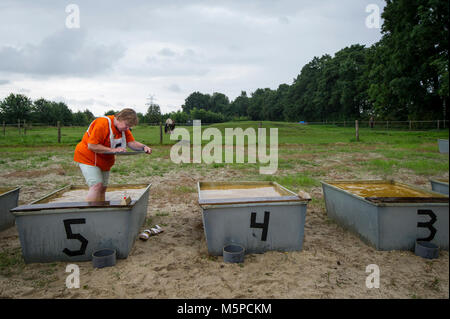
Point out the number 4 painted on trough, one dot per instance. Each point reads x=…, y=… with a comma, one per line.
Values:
x=264, y=225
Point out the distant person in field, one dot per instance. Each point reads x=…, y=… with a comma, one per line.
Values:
x=169, y=126
x=371, y=122
x=105, y=134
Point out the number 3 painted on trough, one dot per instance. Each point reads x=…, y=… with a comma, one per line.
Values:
x=70, y=235
x=428, y=224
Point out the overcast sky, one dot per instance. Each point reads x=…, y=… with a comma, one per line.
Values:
x=125, y=51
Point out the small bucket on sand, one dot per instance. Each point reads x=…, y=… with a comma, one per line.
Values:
x=233, y=253
x=426, y=249
x=104, y=258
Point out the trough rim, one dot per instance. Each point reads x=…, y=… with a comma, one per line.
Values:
x=438, y=182
x=25, y=210
x=249, y=200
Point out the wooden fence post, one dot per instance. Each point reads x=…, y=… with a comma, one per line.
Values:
x=59, y=132
x=357, y=130
x=410, y=125
x=160, y=133
x=24, y=127
x=4, y=128
x=438, y=124
x=18, y=126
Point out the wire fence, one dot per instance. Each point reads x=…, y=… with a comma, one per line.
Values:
x=390, y=125
x=22, y=128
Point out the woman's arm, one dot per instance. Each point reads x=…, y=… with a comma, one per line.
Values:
x=99, y=148
x=137, y=146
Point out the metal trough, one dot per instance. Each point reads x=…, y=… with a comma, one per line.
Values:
x=57, y=228
x=387, y=214
x=9, y=198
x=260, y=216
x=443, y=146
x=440, y=185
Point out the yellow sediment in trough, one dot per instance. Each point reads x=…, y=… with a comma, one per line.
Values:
x=226, y=191
x=381, y=190
x=5, y=190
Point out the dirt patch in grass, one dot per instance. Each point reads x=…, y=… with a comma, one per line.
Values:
x=35, y=173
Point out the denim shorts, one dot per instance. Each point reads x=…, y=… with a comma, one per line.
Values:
x=94, y=175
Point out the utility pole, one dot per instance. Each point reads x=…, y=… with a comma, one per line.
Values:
x=152, y=109
x=151, y=99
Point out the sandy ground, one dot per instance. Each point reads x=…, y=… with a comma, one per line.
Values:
x=176, y=263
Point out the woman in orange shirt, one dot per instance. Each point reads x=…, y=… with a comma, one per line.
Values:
x=105, y=134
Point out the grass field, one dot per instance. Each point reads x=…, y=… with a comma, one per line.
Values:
x=305, y=151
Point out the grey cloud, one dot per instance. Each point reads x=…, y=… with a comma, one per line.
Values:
x=283, y=20
x=174, y=88
x=67, y=52
x=3, y=82
x=166, y=52
x=169, y=70
x=185, y=62
x=82, y=102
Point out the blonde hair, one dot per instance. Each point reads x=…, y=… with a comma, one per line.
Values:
x=128, y=116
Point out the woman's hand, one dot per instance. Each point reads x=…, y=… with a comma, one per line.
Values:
x=147, y=149
x=118, y=150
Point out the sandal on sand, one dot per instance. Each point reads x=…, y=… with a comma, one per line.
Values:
x=157, y=229
x=145, y=235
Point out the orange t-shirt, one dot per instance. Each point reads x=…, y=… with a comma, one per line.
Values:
x=99, y=134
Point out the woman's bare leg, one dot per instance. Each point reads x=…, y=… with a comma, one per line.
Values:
x=96, y=193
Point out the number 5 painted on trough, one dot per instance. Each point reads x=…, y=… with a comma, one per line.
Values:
x=70, y=235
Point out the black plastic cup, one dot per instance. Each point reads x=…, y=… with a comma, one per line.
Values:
x=104, y=258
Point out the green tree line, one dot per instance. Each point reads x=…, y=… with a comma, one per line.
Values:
x=18, y=107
